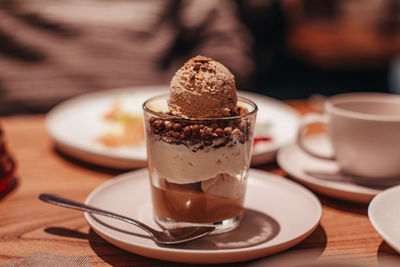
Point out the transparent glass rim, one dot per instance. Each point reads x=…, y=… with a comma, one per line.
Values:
x=163, y=115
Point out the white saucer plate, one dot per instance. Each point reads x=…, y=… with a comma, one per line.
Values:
x=76, y=124
x=279, y=214
x=384, y=214
x=297, y=163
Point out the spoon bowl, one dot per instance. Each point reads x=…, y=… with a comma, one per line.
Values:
x=165, y=237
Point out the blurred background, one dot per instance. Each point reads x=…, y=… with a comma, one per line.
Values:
x=51, y=50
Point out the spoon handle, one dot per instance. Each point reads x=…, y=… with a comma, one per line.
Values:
x=67, y=203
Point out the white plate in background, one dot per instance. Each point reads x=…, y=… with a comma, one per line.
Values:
x=266, y=228
x=384, y=214
x=75, y=125
x=297, y=163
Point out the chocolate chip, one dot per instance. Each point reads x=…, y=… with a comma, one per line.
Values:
x=168, y=125
x=177, y=126
x=153, y=122
x=219, y=132
x=195, y=129
x=177, y=135
x=159, y=124
x=208, y=130
x=205, y=133
x=187, y=131
x=237, y=132
x=228, y=130
x=240, y=134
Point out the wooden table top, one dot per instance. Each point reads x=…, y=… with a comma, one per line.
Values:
x=28, y=225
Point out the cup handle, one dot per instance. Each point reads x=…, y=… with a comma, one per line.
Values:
x=304, y=123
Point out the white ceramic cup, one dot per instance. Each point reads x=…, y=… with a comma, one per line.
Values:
x=364, y=130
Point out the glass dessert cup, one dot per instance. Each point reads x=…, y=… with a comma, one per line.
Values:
x=198, y=167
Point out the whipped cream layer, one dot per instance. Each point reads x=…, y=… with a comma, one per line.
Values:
x=182, y=164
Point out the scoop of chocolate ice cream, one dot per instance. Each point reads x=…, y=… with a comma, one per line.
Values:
x=202, y=88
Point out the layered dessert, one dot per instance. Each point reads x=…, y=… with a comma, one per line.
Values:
x=199, y=142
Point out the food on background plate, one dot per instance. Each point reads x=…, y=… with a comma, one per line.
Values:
x=199, y=147
x=262, y=133
x=124, y=129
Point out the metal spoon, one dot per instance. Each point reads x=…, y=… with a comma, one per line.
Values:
x=166, y=237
